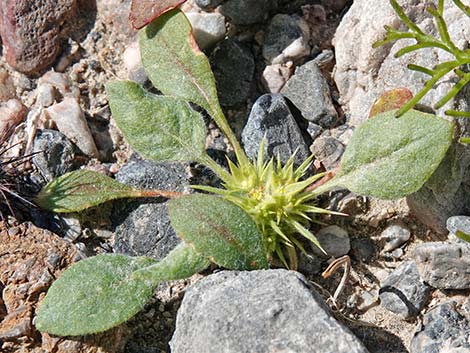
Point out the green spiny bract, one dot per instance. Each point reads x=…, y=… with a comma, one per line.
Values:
x=275, y=196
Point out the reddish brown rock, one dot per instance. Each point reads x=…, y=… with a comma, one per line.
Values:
x=30, y=260
x=32, y=30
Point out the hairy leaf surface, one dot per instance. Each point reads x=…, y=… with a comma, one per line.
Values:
x=391, y=157
x=158, y=127
x=104, y=291
x=94, y=295
x=174, y=63
x=78, y=190
x=219, y=230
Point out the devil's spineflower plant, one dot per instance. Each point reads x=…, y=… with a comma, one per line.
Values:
x=459, y=63
x=275, y=196
x=263, y=210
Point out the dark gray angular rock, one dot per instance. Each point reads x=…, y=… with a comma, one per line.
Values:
x=233, y=65
x=446, y=193
x=309, y=91
x=258, y=311
x=328, y=151
x=443, y=329
x=208, y=4
x=271, y=117
x=444, y=265
x=286, y=39
x=404, y=292
x=142, y=227
x=334, y=240
x=247, y=12
x=55, y=153
x=363, y=249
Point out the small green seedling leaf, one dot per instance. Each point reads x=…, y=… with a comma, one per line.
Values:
x=158, y=127
x=145, y=11
x=94, y=295
x=101, y=292
x=174, y=63
x=219, y=230
x=463, y=236
x=79, y=190
x=391, y=157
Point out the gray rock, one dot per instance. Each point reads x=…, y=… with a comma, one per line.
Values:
x=443, y=265
x=309, y=264
x=233, y=66
x=143, y=227
x=258, y=311
x=271, y=118
x=309, y=91
x=446, y=193
x=363, y=249
x=404, y=292
x=363, y=73
x=286, y=39
x=443, y=330
x=395, y=236
x=55, y=154
x=334, y=240
x=328, y=151
x=458, y=223
x=208, y=28
x=247, y=12
x=208, y=4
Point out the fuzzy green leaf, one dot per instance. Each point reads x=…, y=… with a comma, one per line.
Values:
x=183, y=262
x=174, y=63
x=78, y=190
x=94, y=295
x=219, y=230
x=104, y=291
x=391, y=157
x=158, y=127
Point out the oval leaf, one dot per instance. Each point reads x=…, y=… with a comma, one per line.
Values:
x=94, y=295
x=169, y=51
x=145, y=11
x=158, y=127
x=79, y=190
x=219, y=230
x=391, y=157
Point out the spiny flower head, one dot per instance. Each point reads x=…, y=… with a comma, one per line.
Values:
x=274, y=196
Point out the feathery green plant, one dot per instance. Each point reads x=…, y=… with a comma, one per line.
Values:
x=423, y=40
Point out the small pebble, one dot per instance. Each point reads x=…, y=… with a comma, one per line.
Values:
x=70, y=120
x=286, y=39
x=334, y=240
x=208, y=28
x=328, y=151
x=133, y=64
x=11, y=114
x=396, y=235
x=275, y=76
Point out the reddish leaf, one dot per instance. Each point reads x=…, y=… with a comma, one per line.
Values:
x=390, y=100
x=145, y=11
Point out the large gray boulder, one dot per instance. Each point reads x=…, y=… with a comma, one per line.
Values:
x=259, y=311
